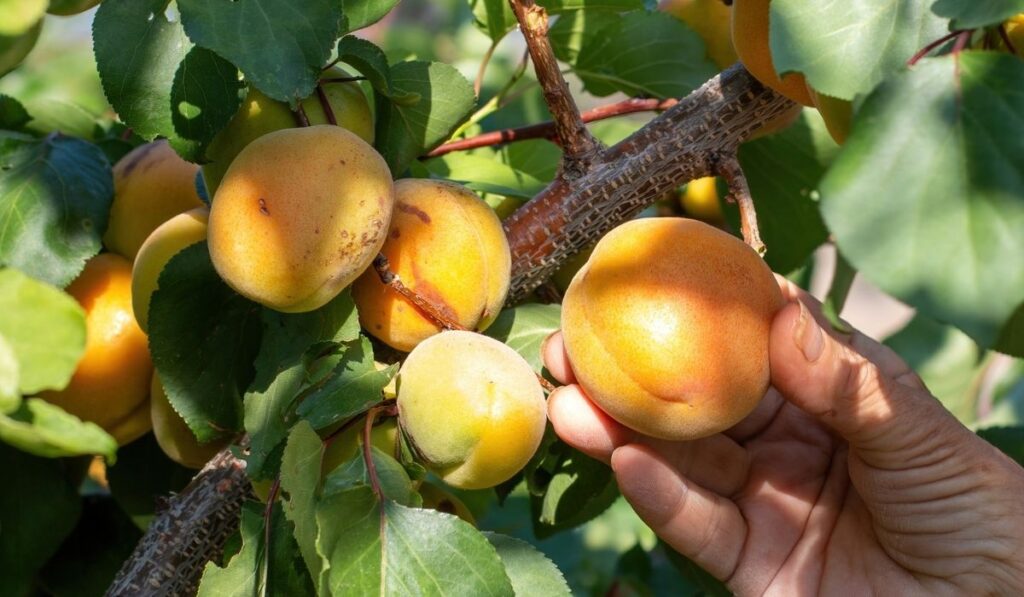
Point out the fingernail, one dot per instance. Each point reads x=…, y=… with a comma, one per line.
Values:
x=808, y=335
x=544, y=344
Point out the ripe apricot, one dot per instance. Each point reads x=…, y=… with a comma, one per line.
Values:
x=446, y=245
x=152, y=184
x=667, y=327
x=837, y=114
x=472, y=407
x=750, y=38
x=710, y=19
x=110, y=386
x=700, y=200
x=174, y=436
x=260, y=115
x=299, y=215
x=166, y=241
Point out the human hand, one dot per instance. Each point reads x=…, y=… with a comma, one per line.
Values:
x=848, y=478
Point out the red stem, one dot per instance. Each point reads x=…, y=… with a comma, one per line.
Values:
x=325, y=104
x=928, y=48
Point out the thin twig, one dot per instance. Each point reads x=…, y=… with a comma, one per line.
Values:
x=326, y=104
x=928, y=48
x=428, y=308
x=341, y=80
x=547, y=130
x=479, y=82
x=739, y=192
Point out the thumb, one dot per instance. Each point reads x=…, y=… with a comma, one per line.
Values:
x=847, y=392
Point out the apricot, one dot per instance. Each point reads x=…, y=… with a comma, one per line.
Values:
x=165, y=242
x=446, y=245
x=472, y=407
x=174, y=436
x=66, y=8
x=700, y=200
x=260, y=115
x=837, y=114
x=750, y=38
x=436, y=498
x=383, y=436
x=14, y=48
x=152, y=184
x=667, y=327
x=710, y=19
x=299, y=215
x=110, y=386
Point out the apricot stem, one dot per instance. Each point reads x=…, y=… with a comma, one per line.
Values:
x=931, y=46
x=325, y=104
x=1006, y=39
x=739, y=192
x=371, y=467
x=479, y=82
x=300, y=116
x=425, y=305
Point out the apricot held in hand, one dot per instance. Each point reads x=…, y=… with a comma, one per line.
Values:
x=472, y=407
x=446, y=245
x=299, y=215
x=667, y=327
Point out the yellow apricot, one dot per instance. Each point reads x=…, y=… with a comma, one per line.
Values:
x=750, y=38
x=174, y=436
x=383, y=436
x=667, y=327
x=260, y=115
x=710, y=20
x=446, y=245
x=111, y=382
x=152, y=184
x=700, y=200
x=436, y=498
x=472, y=407
x=66, y=8
x=299, y=215
x=1014, y=27
x=181, y=231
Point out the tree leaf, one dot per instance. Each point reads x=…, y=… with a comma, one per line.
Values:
x=643, y=54
x=205, y=95
x=484, y=173
x=300, y=479
x=493, y=17
x=13, y=115
x=36, y=513
x=389, y=549
x=284, y=45
x=353, y=386
x=847, y=48
x=926, y=198
x=203, y=338
x=972, y=14
x=45, y=329
x=363, y=13
x=55, y=195
x=44, y=429
x=1010, y=440
x=10, y=397
x=405, y=132
x=394, y=481
x=574, y=28
x=530, y=571
x=281, y=372
x=575, y=489
x=370, y=61
x=525, y=327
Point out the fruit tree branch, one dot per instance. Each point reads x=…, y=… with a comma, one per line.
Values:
x=572, y=134
x=739, y=191
x=681, y=144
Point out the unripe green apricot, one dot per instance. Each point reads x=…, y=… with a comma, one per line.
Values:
x=472, y=407
x=14, y=48
x=260, y=115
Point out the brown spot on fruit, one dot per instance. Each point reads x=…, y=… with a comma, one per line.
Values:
x=412, y=209
x=263, y=207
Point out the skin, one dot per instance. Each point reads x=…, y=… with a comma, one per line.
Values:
x=700, y=200
x=837, y=114
x=168, y=240
x=260, y=115
x=66, y=8
x=14, y=48
x=152, y=184
x=646, y=331
x=848, y=479
x=750, y=38
x=110, y=386
x=293, y=243
x=710, y=19
x=174, y=436
x=476, y=424
x=446, y=245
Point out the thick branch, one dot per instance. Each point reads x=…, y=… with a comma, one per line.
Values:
x=576, y=141
x=679, y=145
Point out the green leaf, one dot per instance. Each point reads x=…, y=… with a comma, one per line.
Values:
x=245, y=576
x=353, y=386
x=530, y=571
x=574, y=28
x=643, y=54
x=44, y=327
x=205, y=95
x=363, y=13
x=143, y=477
x=485, y=173
x=405, y=132
x=38, y=509
x=370, y=61
x=281, y=372
x=972, y=14
x=784, y=171
x=10, y=397
x=847, y=48
x=571, y=489
x=44, y=429
x=838, y=290
x=1007, y=403
x=203, y=338
x=926, y=198
x=389, y=549
x=394, y=480
x=280, y=45
x=300, y=479
x=55, y=194
x=1010, y=440
x=493, y=17
x=524, y=329
x=945, y=358
x=13, y=115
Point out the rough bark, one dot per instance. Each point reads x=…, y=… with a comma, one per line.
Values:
x=685, y=142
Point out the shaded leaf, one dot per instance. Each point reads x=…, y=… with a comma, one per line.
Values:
x=353, y=386
x=1010, y=440
x=971, y=14
x=525, y=327
x=363, y=13
x=300, y=479
x=529, y=570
